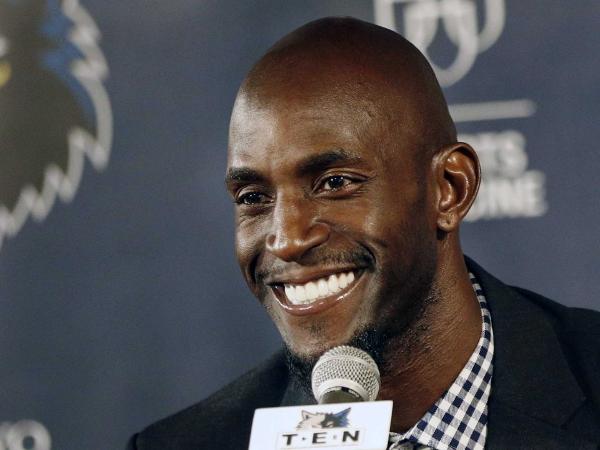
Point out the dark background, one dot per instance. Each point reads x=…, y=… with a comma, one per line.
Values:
x=126, y=304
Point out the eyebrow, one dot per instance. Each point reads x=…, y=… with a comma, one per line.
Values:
x=242, y=175
x=317, y=163
x=308, y=166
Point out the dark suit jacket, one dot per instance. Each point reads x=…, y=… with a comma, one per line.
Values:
x=545, y=388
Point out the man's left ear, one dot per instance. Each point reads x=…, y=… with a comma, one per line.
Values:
x=457, y=176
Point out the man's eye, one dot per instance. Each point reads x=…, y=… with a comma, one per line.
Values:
x=335, y=183
x=251, y=198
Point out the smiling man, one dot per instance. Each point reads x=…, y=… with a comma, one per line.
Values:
x=349, y=189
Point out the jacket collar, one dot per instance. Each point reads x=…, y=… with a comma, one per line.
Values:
x=534, y=391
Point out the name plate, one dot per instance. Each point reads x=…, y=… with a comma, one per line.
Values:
x=339, y=426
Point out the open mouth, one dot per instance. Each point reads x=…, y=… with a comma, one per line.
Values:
x=316, y=294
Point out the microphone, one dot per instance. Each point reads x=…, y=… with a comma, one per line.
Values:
x=341, y=375
x=345, y=374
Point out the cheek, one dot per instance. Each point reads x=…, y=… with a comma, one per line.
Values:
x=248, y=247
x=243, y=247
x=397, y=226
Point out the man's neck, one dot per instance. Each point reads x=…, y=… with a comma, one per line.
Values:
x=423, y=364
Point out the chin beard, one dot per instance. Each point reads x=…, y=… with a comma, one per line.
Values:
x=372, y=341
x=384, y=345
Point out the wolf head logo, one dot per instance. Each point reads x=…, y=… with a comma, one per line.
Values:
x=324, y=420
x=54, y=108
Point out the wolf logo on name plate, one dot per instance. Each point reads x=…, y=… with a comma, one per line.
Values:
x=324, y=420
x=55, y=110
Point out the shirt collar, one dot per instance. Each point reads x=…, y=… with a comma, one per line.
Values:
x=458, y=420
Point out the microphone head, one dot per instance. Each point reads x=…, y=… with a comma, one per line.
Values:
x=346, y=368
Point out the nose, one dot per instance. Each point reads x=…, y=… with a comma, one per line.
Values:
x=295, y=230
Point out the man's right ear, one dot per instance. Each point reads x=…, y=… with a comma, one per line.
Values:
x=457, y=176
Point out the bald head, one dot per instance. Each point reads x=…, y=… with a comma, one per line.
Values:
x=348, y=65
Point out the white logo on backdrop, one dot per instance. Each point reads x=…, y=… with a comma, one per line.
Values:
x=89, y=69
x=508, y=189
x=459, y=19
x=24, y=435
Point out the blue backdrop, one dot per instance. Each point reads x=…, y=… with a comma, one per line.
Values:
x=125, y=303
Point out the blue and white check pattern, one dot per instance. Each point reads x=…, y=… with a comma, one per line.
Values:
x=458, y=420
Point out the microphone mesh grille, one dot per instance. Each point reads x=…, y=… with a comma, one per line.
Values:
x=343, y=364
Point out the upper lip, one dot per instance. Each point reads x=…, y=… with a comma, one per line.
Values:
x=301, y=276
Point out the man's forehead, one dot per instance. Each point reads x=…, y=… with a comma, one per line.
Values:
x=299, y=123
x=336, y=114
x=343, y=96
x=318, y=134
x=321, y=146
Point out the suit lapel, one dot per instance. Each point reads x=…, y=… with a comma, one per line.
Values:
x=533, y=389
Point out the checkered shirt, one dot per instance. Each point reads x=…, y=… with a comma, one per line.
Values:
x=458, y=420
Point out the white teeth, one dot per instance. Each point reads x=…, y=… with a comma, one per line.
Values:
x=312, y=291
x=342, y=281
x=302, y=294
x=350, y=277
x=290, y=292
x=323, y=289
x=332, y=283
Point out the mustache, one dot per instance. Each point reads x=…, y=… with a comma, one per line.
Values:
x=359, y=257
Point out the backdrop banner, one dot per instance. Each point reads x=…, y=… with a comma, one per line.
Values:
x=120, y=298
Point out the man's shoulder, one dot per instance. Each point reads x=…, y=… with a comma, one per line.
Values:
x=545, y=354
x=577, y=321
x=577, y=329
x=573, y=325
x=222, y=416
x=260, y=387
